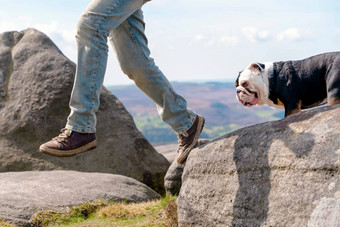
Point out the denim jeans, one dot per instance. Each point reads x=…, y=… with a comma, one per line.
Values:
x=121, y=22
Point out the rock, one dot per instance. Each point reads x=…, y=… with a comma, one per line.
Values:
x=24, y=193
x=326, y=213
x=173, y=177
x=279, y=173
x=35, y=84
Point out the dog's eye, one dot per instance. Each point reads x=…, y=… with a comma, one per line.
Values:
x=244, y=84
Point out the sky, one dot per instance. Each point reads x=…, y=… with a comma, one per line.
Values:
x=198, y=40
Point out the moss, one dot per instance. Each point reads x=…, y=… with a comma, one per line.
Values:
x=5, y=224
x=153, y=213
x=75, y=214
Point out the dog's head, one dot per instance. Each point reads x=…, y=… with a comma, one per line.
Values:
x=252, y=85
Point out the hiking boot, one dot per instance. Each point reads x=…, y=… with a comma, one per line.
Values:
x=187, y=141
x=69, y=143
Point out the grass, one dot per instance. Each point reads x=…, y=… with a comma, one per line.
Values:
x=217, y=131
x=149, y=121
x=268, y=114
x=153, y=213
x=5, y=224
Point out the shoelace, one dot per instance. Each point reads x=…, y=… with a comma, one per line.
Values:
x=62, y=136
x=182, y=141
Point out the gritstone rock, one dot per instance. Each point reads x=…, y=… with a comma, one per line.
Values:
x=35, y=85
x=173, y=177
x=279, y=173
x=24, y=193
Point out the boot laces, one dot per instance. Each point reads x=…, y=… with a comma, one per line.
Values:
x=182, y=141
x=63, y=136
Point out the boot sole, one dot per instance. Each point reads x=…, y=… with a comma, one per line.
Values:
x=68, y=153
x=184, y=155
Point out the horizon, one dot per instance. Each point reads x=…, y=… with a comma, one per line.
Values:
x=221, y=81
x=197, y=40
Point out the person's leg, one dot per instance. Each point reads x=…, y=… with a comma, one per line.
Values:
x=93, y=28
x=130, y=45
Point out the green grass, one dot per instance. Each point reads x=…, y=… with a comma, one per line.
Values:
x=149, y=121
x=268, y=114
x=217, y=131
x=234, y=127
x=5, y=224
x=154, y=213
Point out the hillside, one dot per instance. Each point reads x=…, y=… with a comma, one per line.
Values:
x=215, y=101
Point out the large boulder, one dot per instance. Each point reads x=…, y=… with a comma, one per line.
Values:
x=35, y=85
x=279, y=173
x=25, y=193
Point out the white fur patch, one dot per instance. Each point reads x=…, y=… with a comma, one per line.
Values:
x=256, y=81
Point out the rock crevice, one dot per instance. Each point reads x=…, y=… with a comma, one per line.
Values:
x=6, y=66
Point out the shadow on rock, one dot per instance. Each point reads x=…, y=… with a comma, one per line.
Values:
x=252, y=165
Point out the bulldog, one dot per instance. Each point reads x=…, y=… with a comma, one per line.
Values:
x=292, y=85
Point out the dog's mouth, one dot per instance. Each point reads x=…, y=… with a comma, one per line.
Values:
x=246, y=96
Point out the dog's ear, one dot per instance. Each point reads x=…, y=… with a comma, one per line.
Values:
x=236, y=82
x=256, y=67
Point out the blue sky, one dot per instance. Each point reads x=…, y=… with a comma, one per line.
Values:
x=198, y=40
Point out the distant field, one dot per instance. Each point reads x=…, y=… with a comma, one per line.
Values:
x=215, y=101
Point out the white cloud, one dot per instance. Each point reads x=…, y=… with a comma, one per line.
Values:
x=289, y=34
x=6, y=26
x=207, y=41
x=250, y=33
x=68, y=35
x=49, y=29
x=63, y=37
x=59, y=33
x=200, y=37
x=19, y=24
x=263, y=35
x=210, y=43
x=254, y=35
x=229, y=40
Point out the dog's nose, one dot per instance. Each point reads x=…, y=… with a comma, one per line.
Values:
x=238, y=91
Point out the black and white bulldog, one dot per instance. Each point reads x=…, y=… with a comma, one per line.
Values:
x=292, y=85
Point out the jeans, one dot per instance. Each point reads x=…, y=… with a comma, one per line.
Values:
x=120, y=21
